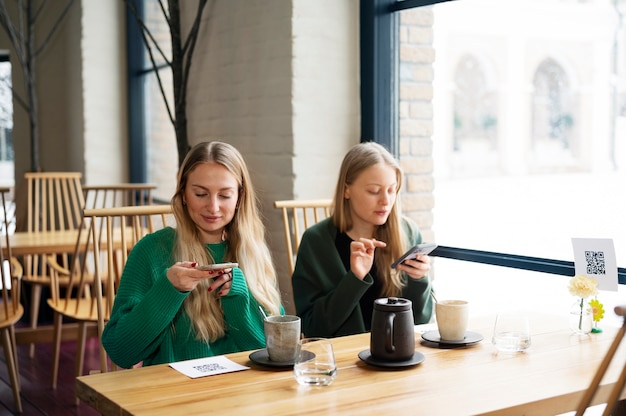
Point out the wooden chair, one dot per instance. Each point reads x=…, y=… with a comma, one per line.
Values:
x=604, y=365
x=117, y=229
x=54, y=202
x=11, y=310
x=297, y=217
x=118, y=195
x=127, y=225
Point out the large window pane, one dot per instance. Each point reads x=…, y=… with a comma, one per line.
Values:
x=528, y=135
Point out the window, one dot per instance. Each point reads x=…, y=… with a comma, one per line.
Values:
x=527, y=116
x=6, y=123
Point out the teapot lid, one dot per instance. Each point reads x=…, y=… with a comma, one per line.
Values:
x=392, y=304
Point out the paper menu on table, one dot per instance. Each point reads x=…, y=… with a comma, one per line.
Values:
x=208, y=366
x=595, y=257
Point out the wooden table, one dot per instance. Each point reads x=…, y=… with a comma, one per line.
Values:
x=548, y=379
x=42, y=242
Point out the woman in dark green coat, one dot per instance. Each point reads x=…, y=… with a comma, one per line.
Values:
x=344, y=262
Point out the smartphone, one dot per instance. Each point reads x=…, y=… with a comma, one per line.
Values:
x=424, y=248
x=218, y=266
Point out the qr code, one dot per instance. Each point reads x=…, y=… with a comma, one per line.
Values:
x=209, y=368
x=595, y=262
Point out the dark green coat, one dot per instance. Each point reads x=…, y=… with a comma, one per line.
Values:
x=327, y=297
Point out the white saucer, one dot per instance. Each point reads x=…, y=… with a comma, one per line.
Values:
x=366, y=356
x=470, y=339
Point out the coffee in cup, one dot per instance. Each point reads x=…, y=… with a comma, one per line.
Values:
x=282, y=333
x=452, y=318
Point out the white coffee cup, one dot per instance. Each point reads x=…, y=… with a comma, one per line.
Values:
x=452, y=318
x=282, y=333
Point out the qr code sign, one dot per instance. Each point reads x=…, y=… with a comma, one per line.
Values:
x=595, y=262
x=209, y=368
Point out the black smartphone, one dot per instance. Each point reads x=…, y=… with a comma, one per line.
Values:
x=411, y=253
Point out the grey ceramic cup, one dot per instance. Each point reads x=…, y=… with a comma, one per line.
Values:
x=282, y=333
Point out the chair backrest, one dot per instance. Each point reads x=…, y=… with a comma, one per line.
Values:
x=55, y=201
x=123, y=227
x=617, y=389
x=297, y=217
x=118, y=195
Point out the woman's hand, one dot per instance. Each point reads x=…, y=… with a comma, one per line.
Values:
x=185, y=277
x=362, y=255
x=416, y=268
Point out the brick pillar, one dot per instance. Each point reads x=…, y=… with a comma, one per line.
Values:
x=416, y=116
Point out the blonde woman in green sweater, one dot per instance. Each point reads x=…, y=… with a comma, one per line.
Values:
x=166, y=308
x=344, y=262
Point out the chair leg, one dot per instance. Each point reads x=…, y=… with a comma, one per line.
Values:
x=11, y=359
x=14, y=342
x=56, y=347
x=35, y=298
x=80, y=350
x=80, y=347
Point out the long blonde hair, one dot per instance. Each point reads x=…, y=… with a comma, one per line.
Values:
x=246, y=242
x=359, y=158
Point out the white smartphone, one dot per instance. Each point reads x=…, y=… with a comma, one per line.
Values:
x=218, y=266
x=424, y=248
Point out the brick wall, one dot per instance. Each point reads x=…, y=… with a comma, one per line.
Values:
x=416, y=116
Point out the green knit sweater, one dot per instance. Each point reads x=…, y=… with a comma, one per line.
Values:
x=149, y=322
x=327, y=296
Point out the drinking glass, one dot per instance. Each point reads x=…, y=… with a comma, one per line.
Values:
x=315, y=362
x=511, y=332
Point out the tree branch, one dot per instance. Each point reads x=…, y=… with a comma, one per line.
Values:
x=145, y=31
x=39, y=10
x=159, y=81
x=14, y=36
x=193, y=31
x=17, y=98
x=190, y=44
x=56, y=25
x=164, y=11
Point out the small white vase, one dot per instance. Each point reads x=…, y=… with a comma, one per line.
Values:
x=580, y=317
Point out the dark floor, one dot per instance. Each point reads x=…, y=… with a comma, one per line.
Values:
x=38, y=397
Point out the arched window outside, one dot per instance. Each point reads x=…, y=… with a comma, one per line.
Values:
x=553, y=120
x=475, y=116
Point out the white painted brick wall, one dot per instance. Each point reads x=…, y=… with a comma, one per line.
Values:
x=104, y=92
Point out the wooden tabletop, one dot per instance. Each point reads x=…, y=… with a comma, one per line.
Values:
x=42, y=242
x=547, y=379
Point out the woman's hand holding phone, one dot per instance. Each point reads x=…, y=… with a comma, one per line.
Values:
x=415, y=262
x=221, y=283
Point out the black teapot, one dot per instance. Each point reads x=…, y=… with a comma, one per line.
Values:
x=392, y=336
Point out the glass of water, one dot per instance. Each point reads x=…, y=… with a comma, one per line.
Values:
x=511, y=332
x=315, y=362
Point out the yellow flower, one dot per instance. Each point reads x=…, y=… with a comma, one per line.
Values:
x=583, y=286
x=597, y=309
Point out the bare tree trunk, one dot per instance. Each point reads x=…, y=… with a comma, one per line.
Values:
x=180, y=95
x=33, y=103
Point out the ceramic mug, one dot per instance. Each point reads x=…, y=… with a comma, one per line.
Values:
x=282, y=333
x=452, y=318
